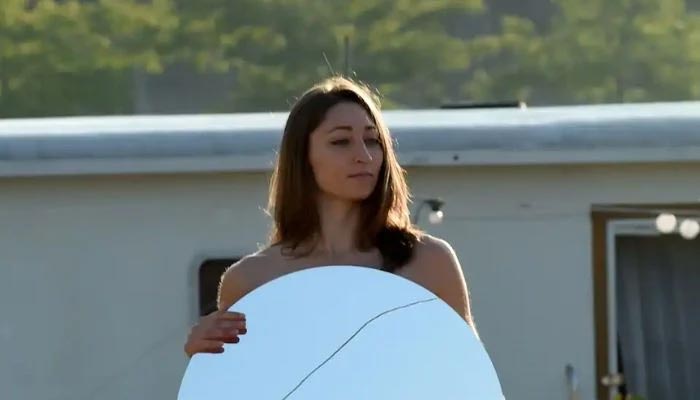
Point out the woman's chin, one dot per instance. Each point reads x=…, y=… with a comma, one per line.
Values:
x=356, y=197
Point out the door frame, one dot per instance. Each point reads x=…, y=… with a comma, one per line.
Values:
x=607, y=221
x=618, y=227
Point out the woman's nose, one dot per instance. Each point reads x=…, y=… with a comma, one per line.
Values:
x=362, y=154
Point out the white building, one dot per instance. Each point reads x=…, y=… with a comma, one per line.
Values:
x=106, y=223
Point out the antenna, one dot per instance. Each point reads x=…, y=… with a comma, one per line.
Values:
x=346, y=51
x=328, y=63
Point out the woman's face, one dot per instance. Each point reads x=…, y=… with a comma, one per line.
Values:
x=345, y=153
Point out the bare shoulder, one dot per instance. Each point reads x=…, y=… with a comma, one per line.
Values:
x=437, y=267
x=431, y=248
x=244, y=276
x=437, y=261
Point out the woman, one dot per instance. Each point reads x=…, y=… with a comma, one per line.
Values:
x=338, y=196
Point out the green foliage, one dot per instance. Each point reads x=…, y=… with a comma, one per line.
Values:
x=277, y=48
x=593, y=51
x=77, y=57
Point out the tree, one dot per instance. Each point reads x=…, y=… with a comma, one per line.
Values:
x=408, y=50
x=594, y=51
x=77, y=57
x=277, y=48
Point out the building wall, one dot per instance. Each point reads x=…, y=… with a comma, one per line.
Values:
x=99, y=278
x=98, y=274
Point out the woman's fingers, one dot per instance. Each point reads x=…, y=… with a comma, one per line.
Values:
x=211, y=346
x=233, y=319
x=224, y=335
x=204, y=346
x=231, y=315
x=230, y=325
x=215, y=330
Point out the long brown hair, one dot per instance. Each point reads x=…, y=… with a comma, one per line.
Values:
x=384, y=220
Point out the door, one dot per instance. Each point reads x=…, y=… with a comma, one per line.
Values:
x=653, y=326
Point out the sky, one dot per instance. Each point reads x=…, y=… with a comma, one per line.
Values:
x=311, y=335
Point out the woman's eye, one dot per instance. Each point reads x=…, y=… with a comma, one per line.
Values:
x=340, y=142
x=373, y=141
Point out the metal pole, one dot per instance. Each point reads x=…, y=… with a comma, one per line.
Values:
x=346, y=50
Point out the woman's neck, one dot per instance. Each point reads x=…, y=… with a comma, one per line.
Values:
x=338, y=223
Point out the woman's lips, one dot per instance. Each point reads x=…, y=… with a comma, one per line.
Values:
x=361, y=175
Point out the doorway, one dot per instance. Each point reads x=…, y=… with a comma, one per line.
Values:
x=647, y=289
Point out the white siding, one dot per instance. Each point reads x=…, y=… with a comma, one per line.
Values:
x=97, y=274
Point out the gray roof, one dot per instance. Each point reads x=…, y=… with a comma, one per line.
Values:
x=619, y=133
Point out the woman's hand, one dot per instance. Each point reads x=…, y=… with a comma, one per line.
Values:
x=213, y=330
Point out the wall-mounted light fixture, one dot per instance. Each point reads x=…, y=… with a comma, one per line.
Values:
x=436, y=215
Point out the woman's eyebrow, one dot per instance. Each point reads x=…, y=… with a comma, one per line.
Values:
x=349, y=128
